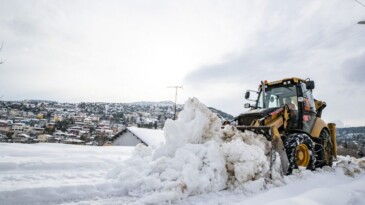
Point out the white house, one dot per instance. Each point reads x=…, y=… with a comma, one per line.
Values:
x=19, y=127
x=22, y=138
x=37, y=130
x=73, y=141
x=44, y=137
x=60, y=136
x=132, y=136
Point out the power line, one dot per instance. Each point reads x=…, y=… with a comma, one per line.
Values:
x=322, y=42
x=360, y=3
x=351, y=36
x=2, y=43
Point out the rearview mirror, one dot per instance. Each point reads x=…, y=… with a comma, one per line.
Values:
x=247, y=105
x=310, y=85
x=247, y=95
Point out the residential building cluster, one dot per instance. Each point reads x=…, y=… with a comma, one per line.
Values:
x=33, y=121
x=351, y=141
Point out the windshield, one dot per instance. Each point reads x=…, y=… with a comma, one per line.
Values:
x=278, y=97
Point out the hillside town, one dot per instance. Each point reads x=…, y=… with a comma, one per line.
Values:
x=351, y=141
x=32, y=121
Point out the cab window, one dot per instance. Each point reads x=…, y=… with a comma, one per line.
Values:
x=309, y=105
x=278, y=96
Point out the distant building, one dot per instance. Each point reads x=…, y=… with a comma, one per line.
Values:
x=37, y=130
x=44, y=138
x=19, y=127
x=132, y=136
x=3, y=138
x=24, y=138
x=73, y=141
x=4, y=127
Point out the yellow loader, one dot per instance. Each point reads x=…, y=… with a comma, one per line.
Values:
x=286, y=113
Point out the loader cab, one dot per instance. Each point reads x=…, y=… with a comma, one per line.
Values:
x=278, y=95
x=296, y=94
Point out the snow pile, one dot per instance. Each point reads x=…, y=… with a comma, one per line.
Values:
x=350, y=165
x=247, y=159
x=197, y=157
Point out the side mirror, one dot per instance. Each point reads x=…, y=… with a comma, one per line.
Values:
x=247, y=105
x=310, y=85
x=247, y=95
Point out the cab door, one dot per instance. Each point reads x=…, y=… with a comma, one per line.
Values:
x=308, y=107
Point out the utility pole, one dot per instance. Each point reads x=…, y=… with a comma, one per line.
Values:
x=2, y=43
x=176, y=87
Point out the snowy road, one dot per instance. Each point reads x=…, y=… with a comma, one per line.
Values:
x=55, y=172
x=319, y=187
x=71, y=174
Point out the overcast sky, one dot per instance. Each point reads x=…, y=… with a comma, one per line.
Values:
x=126, y=51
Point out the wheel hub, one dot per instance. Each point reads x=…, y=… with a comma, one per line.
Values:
x=302, y=155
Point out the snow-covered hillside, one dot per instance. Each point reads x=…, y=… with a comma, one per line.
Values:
x=198, y=164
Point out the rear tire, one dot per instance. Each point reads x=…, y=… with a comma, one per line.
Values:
x=299, y=149
x=325, y=153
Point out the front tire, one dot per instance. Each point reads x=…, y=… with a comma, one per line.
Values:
x=299, y=149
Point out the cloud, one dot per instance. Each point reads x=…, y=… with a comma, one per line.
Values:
x=124, y=51
x=254, y=64
x=354, y=69
x=310, y=42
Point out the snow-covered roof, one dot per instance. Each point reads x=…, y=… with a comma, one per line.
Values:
x=46, y=135
x=74, y=140
x=24, y=135
x=149, y=136
x=4, y=121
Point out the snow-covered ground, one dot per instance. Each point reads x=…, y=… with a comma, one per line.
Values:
x=198, y=164
x=72, y=174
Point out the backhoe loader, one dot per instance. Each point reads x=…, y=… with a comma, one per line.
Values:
x=286, y=113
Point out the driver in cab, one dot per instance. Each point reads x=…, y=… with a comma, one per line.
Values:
x=288, y=101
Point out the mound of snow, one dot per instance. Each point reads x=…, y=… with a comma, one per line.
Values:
x=350, y=165
x=197, y=157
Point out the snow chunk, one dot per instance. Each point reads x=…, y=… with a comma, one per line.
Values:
x=198, y=157
x=196, y=124
x=350, y=165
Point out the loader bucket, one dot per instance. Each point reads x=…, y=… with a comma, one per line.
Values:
x=277, y=145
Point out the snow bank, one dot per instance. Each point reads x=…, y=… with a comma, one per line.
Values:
x=350, y=165
x=197, y=157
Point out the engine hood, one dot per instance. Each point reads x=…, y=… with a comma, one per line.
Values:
x=248, y=117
